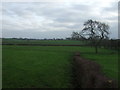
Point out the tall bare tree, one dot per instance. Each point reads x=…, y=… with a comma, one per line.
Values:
x=95, y=32
x=75, y=36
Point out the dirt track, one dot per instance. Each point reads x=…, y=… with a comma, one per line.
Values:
x=88, y=74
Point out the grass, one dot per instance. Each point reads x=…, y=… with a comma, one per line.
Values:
x=108, y=62
x=42, y=42
x=35, y=67
x=49, y=66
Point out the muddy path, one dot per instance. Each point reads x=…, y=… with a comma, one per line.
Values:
x=88, y=74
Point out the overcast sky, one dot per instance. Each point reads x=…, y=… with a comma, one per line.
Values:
x=55, y=19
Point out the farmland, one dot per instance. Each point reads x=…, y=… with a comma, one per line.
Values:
x=42, y=42
x=50, y=66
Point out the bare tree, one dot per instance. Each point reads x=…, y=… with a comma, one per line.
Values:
x=75, y=36
x=95, y=32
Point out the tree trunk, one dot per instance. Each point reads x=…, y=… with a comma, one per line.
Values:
x=96, y=49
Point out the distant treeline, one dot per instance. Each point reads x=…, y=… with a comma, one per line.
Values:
x=34, y=39
x=109, y=44
x=106, y=43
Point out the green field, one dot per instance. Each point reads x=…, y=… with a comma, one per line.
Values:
x=42, y=42
x=50, y=66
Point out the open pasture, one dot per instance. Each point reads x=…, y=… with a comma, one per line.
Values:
x=42, y=42
x=50, y=66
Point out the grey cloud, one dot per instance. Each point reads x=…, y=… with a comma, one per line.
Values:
x=19, y=18
x=37, y=35
x=112, y=8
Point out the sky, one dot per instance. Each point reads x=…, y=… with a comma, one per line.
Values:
x=41, y=20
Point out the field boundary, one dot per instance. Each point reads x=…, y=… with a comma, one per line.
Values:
x=42, y=45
